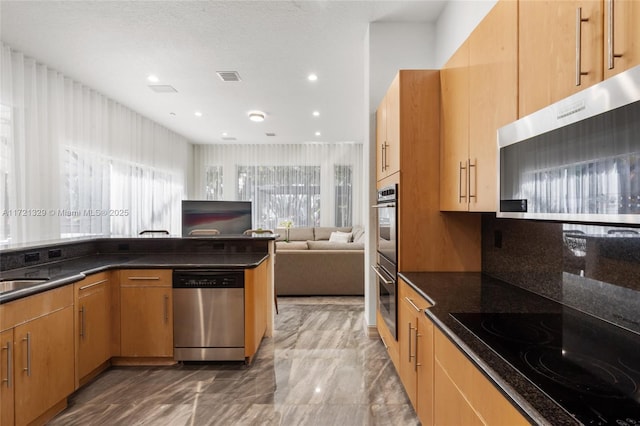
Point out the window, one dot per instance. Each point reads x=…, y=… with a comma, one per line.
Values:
x=343, y=190
x=281, y=193
x=213, y=183
x=6, y=154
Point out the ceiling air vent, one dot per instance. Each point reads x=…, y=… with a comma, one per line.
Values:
x=270, y=134
x=228, y=138
x=228, y=75
x=162, y=88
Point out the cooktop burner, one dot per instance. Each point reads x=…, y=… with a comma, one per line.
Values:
x=587, y=366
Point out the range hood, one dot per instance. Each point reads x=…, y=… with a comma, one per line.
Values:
x=577, y=160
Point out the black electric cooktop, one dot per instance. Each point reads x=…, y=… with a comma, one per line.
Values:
x=589, y=367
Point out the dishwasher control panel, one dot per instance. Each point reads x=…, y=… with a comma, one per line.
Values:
x=208, y=279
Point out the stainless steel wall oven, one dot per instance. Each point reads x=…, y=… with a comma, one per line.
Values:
x=386, y=267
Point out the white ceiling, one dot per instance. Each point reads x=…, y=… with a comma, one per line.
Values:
x=112, y=46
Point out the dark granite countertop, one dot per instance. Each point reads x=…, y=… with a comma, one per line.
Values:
x=451, y=292
x=72, y=270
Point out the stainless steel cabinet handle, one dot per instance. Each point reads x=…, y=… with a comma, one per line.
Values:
x=382, y=278
x=611, y=37
x=475, y=170
x=82, y=314
x=412, y=304
x=9, y=364
x=384, y=343
x=461, y=196
x=382, y=161
x=417, y=364
x=143, y=278
x=28, y=340
x=579, y=21
x=94, y=284
x=386, y=147
x=410, y=328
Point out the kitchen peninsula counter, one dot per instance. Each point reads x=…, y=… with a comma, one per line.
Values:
x=138, y=253
x=476, y=293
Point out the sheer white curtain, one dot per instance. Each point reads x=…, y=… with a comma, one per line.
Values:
x=312, y=184
x=70, y=156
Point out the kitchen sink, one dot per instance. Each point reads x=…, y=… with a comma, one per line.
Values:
x=11, y=285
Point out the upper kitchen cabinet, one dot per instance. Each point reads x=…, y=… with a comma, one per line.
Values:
x=479, y=95
x=622, y=36
x=388, y=132
x=561, y=50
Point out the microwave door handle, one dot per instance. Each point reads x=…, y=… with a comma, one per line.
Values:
x=382, y=278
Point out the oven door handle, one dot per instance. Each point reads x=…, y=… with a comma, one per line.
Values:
x=379, y=274
x=383, y=206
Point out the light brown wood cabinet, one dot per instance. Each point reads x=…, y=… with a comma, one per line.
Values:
x=93, y=324
x=561, y=50
x=390, y=343
x=388, y=132
x=42, y=360
x=416, y=349
x=146, y=313
x=7, y=380
x=621, y=36
x=256, y=302
x=479, y=95
x=462, y=395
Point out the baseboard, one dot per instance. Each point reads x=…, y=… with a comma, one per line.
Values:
x=371, y=331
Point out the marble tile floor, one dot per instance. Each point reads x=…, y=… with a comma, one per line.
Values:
x=319, y=368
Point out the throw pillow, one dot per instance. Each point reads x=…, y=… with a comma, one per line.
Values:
x=340, y=237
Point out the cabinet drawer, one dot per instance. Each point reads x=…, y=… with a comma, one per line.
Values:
x=146, y=277
x=407, y=293
x=32, y=307
x=479, y=393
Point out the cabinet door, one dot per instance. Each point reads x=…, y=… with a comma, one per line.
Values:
x=493, y=98
x=407, y=326
x=451, y=406
x=146, y=321
x=392, y=152
x=256, y=301
x=94, y=324
x=381, y=138
x=622, y=36
x=548, y=41
x=44, y=364
x=455, y=131
x=424, y=354
x=7, y=378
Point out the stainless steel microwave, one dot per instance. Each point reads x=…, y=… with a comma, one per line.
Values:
x=577, y=160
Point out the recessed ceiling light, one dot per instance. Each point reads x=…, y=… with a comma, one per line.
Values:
x=317, y=133
x=256, y=116
x=153, y=78
x=197, y=114
x=225, y=134
x=172, y=113
x=316, y=113
x=312, y=77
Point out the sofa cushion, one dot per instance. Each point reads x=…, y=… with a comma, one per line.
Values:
x=324, y=232
x=340, y=237
x=358, y=234
x=328, y=245
x=295, y=234
x=291, y=245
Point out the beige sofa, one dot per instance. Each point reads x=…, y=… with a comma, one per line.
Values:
x=309, y=264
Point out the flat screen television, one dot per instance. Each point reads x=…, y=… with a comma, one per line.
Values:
x=228, y=217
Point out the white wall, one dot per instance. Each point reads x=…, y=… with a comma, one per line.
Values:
x=389, y=47
x=456, y=22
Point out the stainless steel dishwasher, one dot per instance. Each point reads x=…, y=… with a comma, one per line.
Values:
x=208, y=315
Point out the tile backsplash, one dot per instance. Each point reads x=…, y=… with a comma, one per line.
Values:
x=593, y=268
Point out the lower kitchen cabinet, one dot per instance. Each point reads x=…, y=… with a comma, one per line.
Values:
x=390, y=343
x=7, y=380
x=146, y=317
x=93, y=324
x=415, y=341
x=39, y=366
x=462, y=395
x=256, y=301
